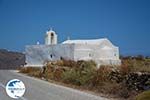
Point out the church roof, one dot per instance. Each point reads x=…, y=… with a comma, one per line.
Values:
x=91, y=41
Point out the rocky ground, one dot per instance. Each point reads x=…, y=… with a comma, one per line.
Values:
x=11, y=60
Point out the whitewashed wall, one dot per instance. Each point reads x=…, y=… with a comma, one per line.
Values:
x=103, y=54
x=37, y=55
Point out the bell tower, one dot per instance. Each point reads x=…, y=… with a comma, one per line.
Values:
x=51, y=37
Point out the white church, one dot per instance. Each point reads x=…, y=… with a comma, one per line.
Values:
x=102, y=51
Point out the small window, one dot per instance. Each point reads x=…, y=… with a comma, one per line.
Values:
x=51, y=55
x=90, y=55
x=61, y=58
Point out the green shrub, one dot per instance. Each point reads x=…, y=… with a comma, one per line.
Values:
x=71, y=76
x=80, y=74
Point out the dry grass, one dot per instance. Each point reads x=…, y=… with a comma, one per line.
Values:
x=144, y=96
x=134, y=65
x=32, y=71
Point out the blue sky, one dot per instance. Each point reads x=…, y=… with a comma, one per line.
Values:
x=125, y=22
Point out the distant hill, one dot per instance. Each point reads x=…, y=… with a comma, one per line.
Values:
x=10, y=59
